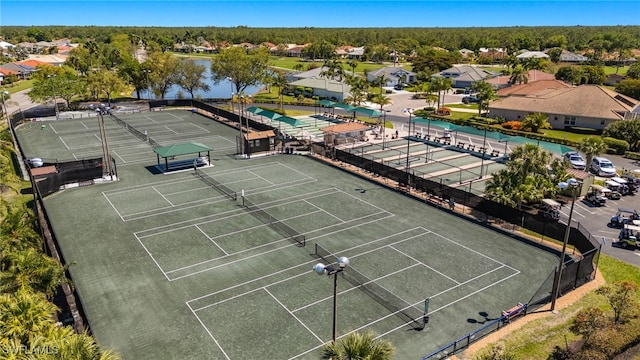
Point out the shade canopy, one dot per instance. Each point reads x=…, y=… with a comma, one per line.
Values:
x=255, y=110
x=345, y=107
x=181, y=149
x=326, y=102
x=367, y=111
x=277, y=117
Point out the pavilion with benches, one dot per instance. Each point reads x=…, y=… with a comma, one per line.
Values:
x=171, y=151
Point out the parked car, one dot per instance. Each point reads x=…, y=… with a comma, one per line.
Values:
x=575, y=160
x=399, y=86
x=603, y=166
x=470, y=99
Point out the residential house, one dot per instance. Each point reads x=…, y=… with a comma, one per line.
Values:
x=532, y=55
x=569, y=57
x=21, y=71
x=325, y=88
x=613, y=79
x=344, y=133
x=588, y=106
x=463, y=76
x=392, y=76
x=5, y=45
x=295, y=76
x=54, y=59
x=466, y=53
x=295, y=51
x=503, y=81
x=492, y=53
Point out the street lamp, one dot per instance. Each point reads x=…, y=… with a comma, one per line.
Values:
x=330, y=270
x=573, y=183
x=147, y=72
x=410, y=112
x=484, y=150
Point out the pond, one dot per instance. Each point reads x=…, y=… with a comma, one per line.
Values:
x=221, y=90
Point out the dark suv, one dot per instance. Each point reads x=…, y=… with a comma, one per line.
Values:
x=470, y=99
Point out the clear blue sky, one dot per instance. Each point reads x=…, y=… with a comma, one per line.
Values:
x=346, y=13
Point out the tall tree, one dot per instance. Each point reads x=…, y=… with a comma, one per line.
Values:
x=164, y=72
x=244, y=69
x=190, y=76
x=627, y=130
x=620, y=295
x=519, y=75
x=485, y=93
x=280, y=82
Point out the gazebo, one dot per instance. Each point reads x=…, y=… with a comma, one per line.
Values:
x=171, y=151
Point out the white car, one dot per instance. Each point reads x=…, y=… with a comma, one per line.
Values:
x=575, y=160
x=603, y=167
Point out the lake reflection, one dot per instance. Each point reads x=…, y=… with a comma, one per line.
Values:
x=221, y=90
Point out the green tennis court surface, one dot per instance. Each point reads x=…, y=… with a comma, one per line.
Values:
x=171, y=267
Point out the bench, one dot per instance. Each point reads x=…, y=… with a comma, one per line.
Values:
x=514, y=312
x=460, y=145
x=471, y=147
x=495, y=153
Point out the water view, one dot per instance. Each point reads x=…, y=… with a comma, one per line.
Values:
x=221, y=90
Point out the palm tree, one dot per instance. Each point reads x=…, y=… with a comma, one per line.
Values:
x=358, y=346
x=353, y=63
x=24, y=315
x=279, y=81
x=485, y=93
x=82, y=347
x=535, y=122
x=30, y=269
x=382, y=101
x=519, y=75
x=590, y=147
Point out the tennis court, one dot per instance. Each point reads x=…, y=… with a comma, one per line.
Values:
x=174, y=266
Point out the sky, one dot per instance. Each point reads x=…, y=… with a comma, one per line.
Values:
x=331, y=14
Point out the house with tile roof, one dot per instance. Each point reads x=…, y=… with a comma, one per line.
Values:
x=502, y=81
x=588, y=106
x=22, y=71
x=569, y=57
x=53, y=59
x=392, y=76
x=532, y=55
x=463, y=76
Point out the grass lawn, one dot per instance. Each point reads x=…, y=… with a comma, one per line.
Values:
x=564, y=135
x=18, y=86
x=462, y=106
x=537, y=339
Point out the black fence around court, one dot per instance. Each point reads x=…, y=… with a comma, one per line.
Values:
x=578, y=268
x=83, y=171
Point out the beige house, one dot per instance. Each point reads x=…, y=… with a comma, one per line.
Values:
x=588, y=106
x=344, y=133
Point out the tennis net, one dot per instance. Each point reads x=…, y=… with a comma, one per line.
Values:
x=399, y=307
x=216, y=185
x=139, y=134
x=277, y=225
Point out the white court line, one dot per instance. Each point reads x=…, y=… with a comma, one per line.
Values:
x=123, y=160
x=85, y=126
x=210, y=239
x=259, y=177
x=208, y=332
x=323, y=210
x=113, y=207
x=54, y=130
x=294, y=316
x=200, y=127
x=164, y=197
x=152, y=258
x=173, y=131
x=425, y=265
x=292, y=267
x=64, y=143
x=269, y=251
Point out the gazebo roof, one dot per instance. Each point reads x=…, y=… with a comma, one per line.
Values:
x=181, y=149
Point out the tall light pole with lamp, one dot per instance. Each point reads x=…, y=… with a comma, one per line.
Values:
x=573, y=184
x=410, y=112
x=333, y=270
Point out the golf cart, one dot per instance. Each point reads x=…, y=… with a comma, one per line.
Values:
x=550, y=209
x=624, y=216
x=596, y=195
x=616, y=190
x=628, y=237
x=625, y=186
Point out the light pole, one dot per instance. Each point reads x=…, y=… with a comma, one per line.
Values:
x=573, y=183
x=147, y=72
x=101, y=111
x=410, y=112
x=484, y=141
x=330, y=270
